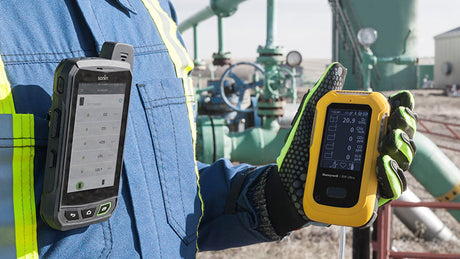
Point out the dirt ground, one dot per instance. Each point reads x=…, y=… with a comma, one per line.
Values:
x=323, y=242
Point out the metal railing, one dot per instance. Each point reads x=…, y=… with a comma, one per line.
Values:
x=382, y=245
x=443, y=129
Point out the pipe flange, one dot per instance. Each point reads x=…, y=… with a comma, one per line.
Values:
x=270, y=108
x=221, y=59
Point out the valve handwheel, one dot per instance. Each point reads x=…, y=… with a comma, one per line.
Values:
x=239, y=86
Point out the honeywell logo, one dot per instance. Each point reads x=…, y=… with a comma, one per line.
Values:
x=102, y=78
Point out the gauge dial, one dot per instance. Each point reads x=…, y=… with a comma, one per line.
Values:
x=367, y=36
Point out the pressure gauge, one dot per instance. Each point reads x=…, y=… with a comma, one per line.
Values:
x=293, y=58
x=367, y=36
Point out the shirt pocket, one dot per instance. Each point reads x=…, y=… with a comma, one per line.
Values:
x=170, y=131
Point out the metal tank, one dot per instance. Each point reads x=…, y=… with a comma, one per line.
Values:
x=396, y=24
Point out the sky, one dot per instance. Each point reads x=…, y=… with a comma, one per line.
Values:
x=306, y=28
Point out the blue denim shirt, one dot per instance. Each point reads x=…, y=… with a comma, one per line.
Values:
x=159, y=210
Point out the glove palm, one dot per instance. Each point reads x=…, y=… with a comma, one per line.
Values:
x=294, y=157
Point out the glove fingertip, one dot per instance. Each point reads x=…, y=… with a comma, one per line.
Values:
x=390, y=176
x=383, y=183
x=332, y=79
x=402, y=98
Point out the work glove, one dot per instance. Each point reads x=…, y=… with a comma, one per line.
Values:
x=396, y=148
x=294, y=157
x=276, y=195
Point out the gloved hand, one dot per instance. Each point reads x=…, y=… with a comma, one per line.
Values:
x=294, y=157
x=397, y=147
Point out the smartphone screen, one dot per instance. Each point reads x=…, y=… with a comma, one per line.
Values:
x=96, y=138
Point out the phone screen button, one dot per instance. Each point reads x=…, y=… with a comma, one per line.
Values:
x=88, y=213
x=104, y=208
x=71, y=215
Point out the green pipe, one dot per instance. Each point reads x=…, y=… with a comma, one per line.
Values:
x=195, y=42
x=222, y=8
x=271, y=24
x=256, y=146
x=201, y=90
x=370, y=61
x=220, y=31
x=225, y=8
x=399, y=60
x=195, y=19
x=436, y=172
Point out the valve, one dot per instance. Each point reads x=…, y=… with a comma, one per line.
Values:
x=239, y=86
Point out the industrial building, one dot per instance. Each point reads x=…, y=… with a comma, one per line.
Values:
x=447, y=59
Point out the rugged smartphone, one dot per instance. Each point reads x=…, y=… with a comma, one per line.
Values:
x=88, y=119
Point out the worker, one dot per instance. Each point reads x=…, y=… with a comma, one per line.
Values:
x=169, y=205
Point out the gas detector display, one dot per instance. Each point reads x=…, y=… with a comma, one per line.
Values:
x=342, y=154
x=96, y=136
x=345, y=138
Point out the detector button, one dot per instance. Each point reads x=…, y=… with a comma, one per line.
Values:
x=335, y=192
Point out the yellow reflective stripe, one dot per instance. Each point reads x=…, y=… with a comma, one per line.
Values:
x=25, y=224
x=6, y=100
x=23, y=186
x=190, y=101
x=167, y=29
x=183, y=64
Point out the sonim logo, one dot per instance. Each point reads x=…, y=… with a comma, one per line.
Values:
x=102, y=78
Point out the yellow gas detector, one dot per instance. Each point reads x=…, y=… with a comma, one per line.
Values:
x=341, y=183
